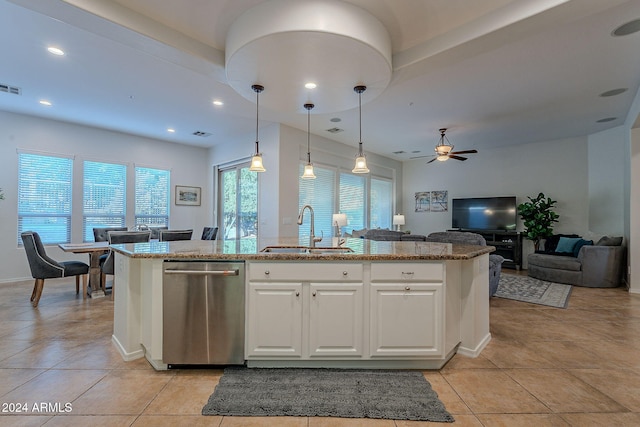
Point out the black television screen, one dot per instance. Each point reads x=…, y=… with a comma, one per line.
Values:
x=486, y=213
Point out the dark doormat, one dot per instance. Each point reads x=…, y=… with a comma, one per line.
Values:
x=347, y=393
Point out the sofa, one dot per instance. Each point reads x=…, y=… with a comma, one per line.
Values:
x=569, y=259
x=467, y=238
x=391, y=235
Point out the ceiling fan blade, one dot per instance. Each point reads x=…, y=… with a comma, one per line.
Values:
x=432, y=160
x=421, y=157
x=457, y=157
x=464, y=152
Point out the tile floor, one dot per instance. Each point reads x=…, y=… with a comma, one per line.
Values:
x=544, y=367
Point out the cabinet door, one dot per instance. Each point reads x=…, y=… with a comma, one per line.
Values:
x=274, y=319
x=335, y=320
x=406, y=319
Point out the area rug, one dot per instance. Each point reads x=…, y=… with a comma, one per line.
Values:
x=347, y=393
x=535, y=291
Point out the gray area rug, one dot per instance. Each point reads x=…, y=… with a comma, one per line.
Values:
x=535, y=291
x=347, y=393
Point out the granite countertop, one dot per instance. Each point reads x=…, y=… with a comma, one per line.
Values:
x=290, y=249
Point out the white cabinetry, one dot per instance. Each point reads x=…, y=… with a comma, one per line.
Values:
x=406, y=313
x=304, y=310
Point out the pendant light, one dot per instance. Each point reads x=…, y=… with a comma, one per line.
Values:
x=308, y=168
x=361, y=159
x=256, y=160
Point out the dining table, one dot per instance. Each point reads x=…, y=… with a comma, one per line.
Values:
x=94, y=249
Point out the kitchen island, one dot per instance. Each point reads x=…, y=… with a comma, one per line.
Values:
x=364, y=304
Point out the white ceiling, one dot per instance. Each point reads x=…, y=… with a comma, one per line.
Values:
x=495, y=72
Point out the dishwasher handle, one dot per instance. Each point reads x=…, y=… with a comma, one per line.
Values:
x=204, y=273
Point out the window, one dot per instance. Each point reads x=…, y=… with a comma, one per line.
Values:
x=152, y=197
x=104, y=196
x=44, y=196
x=380, y=203
x=366, y=200
x=238, y=208
x=319, y=193
x=353, y=199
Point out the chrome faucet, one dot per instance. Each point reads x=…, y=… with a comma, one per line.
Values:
x=312, y=239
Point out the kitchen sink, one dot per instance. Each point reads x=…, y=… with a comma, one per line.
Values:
x=306, y=250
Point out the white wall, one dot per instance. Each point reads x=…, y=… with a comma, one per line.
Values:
x=188, y=166
x=556, y=168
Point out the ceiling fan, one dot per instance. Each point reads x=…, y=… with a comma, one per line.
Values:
x=444, y=151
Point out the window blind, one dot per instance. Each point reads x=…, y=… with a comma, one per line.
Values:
x=319, y=193
x=152, y=197
x=104, y=196
x=380, y=205
x=353, y=200
x=44, y=197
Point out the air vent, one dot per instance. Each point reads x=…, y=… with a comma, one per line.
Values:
x=399, y=152
x=10, y=89
x=334, y=130
x=202, y=134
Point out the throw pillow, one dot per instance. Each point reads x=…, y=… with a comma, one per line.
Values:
x=551, y=242
x=609, y=241
x=579, y=245
x=566, y=244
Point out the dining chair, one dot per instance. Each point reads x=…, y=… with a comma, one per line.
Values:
x=209, y=233
x=173, y=235
x=43, y=267
x=119, y=237
x=101, y=234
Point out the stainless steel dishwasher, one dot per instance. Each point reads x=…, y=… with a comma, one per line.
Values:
x=203, y=313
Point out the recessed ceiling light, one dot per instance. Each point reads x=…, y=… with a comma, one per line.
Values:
x=607, y=119
x=310, y=85
x=628, y=28
x=613, y=92
x=55, y=50
x=45, y=102
x=218, y=102
x=171, y=130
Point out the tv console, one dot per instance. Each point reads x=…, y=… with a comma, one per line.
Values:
x=508, y=244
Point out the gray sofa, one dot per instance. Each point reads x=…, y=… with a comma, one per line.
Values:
x=391, y=235
x=597, y=265
x=467, y=238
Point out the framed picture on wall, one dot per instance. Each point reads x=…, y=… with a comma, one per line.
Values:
x=189, y=196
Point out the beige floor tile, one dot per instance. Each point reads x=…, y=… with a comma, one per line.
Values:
x=563, y=392
x=23, y=420
x=183, y=395
x=177, y=421
x=278, y=422
x=55, y=387
x=622, y=385
x=44, y=354
x=461, y=421
x=13, y=378
x=10, y=348
x=603, y=420
x=618, y=353
x=565, y=354
x=122, y=392
x=522, y=420
x=90, y=420
x=447, y=395
x=492, y=391
x=513, y=354
x=459, y=361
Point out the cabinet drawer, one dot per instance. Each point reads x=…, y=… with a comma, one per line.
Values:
x=405, y=271
x=306, y=272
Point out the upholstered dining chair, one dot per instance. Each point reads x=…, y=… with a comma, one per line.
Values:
x=173, y=235
x=209, y=233
x=43, y=267
x=101, y=234
x=118, y=237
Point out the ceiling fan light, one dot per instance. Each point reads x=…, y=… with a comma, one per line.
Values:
x=443, y=150
x=308, y=172
x=442, y=157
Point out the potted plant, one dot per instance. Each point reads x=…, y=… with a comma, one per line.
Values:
x=538, y=217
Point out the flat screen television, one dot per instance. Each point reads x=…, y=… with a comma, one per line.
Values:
x=484, y=213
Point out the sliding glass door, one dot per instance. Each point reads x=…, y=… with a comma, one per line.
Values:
x=238, y=190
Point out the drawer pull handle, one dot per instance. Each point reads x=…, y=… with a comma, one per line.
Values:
x=266, y=272
x=345, y=273
x=314, y=293
x=297, y=293
x=407, y=288
x=407, y=273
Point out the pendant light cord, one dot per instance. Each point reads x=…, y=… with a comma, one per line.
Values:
x=308, y=134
